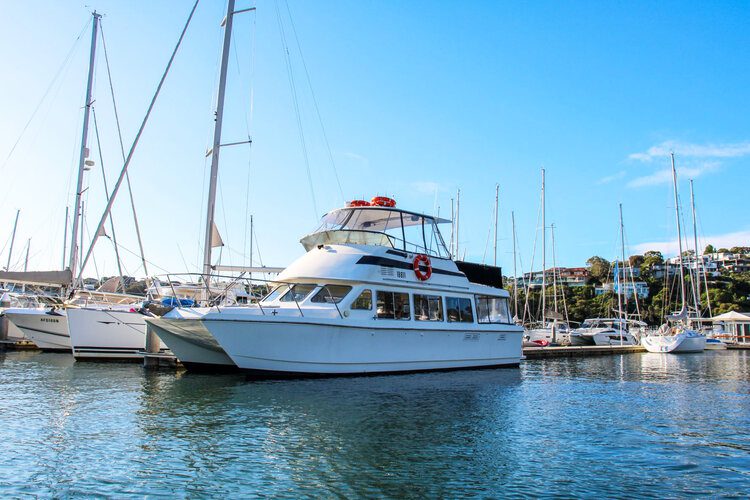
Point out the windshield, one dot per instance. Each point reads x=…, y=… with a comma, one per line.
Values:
x=406, y=231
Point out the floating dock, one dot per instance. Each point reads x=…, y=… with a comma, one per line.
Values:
x=579, y=351
x=17, y=345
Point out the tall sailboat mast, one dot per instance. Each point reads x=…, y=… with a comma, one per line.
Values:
x=12, y=240
x=544, y=258
x=679, y=233
x=216, y=148
x=620, y=294
x=78, y=208
x=497, y=198
x=515, y=272
x=697, y=280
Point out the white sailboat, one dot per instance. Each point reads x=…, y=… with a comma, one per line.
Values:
x=676, y=336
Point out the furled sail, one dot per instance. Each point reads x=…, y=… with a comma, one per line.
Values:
x=55, y=278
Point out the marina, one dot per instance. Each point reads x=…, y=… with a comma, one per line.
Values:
x=670, y=423
x=340, y=250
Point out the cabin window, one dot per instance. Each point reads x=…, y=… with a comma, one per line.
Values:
x=459, y=310
x=492, y=309
x=331, y=294
x=297, y=293
x=275, y=293
x=364, y=301
x=393, y=305
x=428, y=308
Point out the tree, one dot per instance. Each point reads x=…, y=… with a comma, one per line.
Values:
x=741, y=250
x=636, y=260
x=598, y=268
x=709, y=249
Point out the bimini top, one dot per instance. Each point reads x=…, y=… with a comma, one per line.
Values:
x=380, y=226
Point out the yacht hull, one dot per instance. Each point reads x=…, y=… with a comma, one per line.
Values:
x=191, y=343
x=324, y=348
x=679, y=343
x=49, y=331
x=104, y=334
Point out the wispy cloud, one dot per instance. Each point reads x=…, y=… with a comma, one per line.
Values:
x=694, y=160
x=611, y=178
x=687, y=150
x=664, y=176
x=428, y=187
x=727, y=240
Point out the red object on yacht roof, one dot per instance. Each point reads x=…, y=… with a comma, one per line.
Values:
x=383, y=201
x=358, y=203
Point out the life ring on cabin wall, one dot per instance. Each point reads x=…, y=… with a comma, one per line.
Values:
x=419, y=261
x=358, y=203
x=383, y=201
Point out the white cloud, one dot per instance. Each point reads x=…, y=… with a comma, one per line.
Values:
x=687, y=150
x=727, y=240
x=665, y=176
x=428, y=187
x=611, y=178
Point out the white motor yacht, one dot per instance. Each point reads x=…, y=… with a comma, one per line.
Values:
x=376, y=292
x=606, y=331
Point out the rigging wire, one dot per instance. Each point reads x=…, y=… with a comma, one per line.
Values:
x=46, y=92
x=315, y=103
x=122, y=151
x=295, y=101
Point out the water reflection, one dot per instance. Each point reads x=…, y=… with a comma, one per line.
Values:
x=630, y=425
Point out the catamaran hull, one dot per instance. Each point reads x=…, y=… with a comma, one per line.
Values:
x=49, y=331
x=102, y=334
x=191, y=343
x=295, y=348
x=679, y=343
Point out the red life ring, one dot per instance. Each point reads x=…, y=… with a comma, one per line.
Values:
x=383, y=201
x=422, y=260
x=358, y=203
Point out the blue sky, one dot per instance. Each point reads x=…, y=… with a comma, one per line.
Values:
x=418, y=99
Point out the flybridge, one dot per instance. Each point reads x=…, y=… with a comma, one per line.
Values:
x=380, y=225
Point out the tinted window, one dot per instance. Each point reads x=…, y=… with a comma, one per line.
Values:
x=297, y=293
x=275, y=293
x=364, y=301
x=492, y=309
x=428, y=308
x=459, y=309
x=331, y=294
x=393, y=305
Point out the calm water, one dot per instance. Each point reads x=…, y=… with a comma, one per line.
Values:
x=645, y=425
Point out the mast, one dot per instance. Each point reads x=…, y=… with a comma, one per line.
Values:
x=515, y=273
x=12, y=240
x=217, y=138
x=679, y=233
x=65, y=237
x=544, y=258
x=554, y=284
x=26, y=262
x=620, y=281
x=78, y=209
x=497, y=197
x=458, y=217
x=697, y=280
x=251, y=247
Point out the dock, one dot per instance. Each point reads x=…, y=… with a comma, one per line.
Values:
x=17, y=345
x=579, y=351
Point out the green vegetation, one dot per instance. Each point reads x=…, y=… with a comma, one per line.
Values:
x=727, y=292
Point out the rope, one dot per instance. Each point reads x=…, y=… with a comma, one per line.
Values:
x=315, y=103
x=137, y=137
x=295, y=101
x=122, y=151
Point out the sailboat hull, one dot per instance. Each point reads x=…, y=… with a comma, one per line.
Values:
x=48, y=330
x=191, y=343
x=106, y=334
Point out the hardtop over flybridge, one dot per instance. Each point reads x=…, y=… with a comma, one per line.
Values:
x=377, y=291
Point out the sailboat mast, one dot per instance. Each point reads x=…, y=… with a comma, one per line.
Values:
x=65, y=238
x=515, y=273
x=679, y=232
x=697, y=281
x=78, y=209
x=497, y=198
x=544, y=258
x=12, y=240
x=217, y=138
x=622, y=254
x=458, y=217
